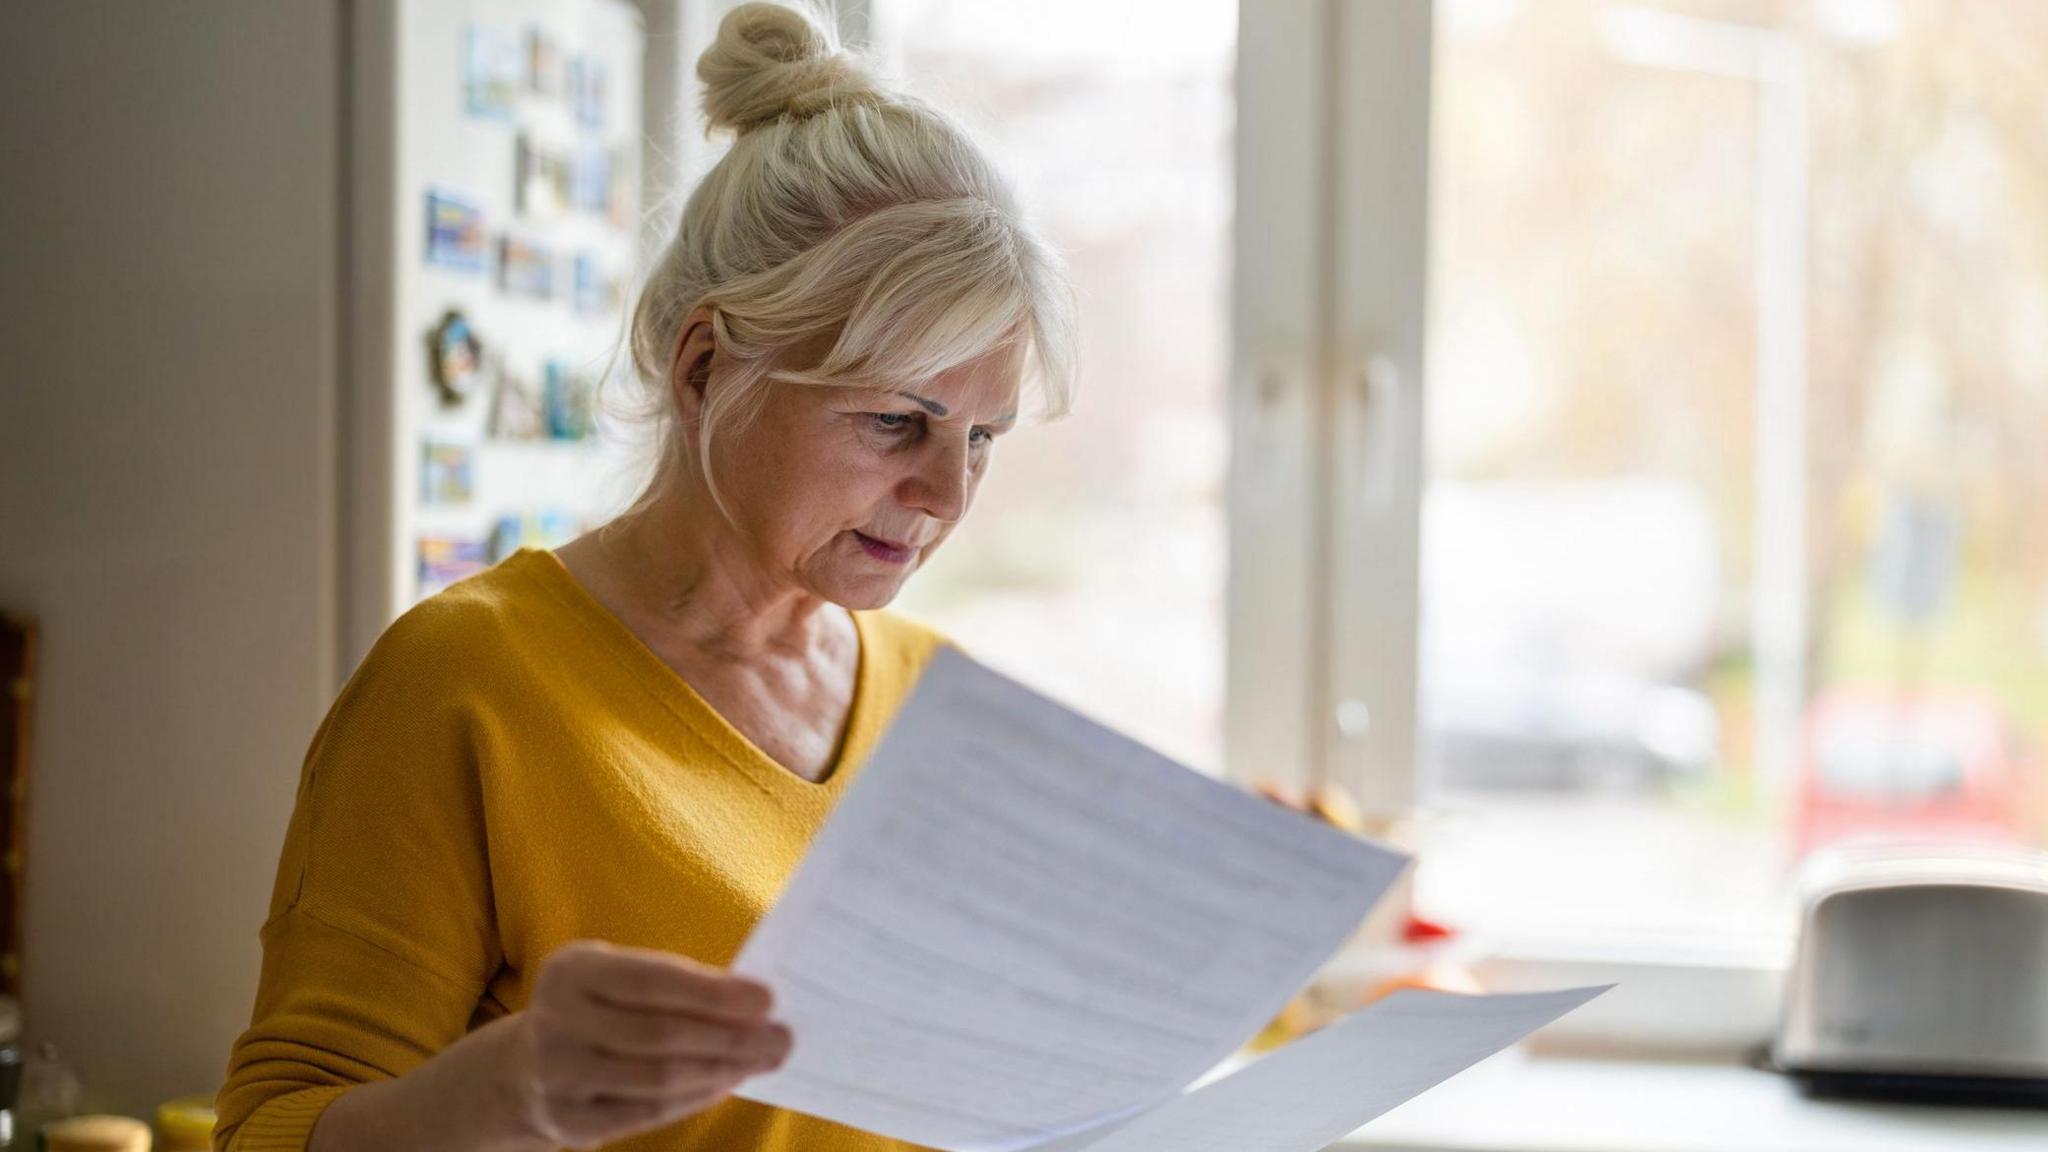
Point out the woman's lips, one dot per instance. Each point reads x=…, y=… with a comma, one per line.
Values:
x=883, y=550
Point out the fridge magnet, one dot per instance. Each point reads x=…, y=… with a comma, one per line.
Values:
x=546, y=526
x=587, y=83
x=507, y=534
x=491, y=71
x=543, y=64
x=445, y=559
x=569, y=399
x=455, y=358
x=593, y=289
x=515, y=409
x=447, y=473
x=590, y=179
x=455, y=233
x=525, y=268
x=541, y=178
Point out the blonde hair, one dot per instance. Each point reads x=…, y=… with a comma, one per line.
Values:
x=843, y=211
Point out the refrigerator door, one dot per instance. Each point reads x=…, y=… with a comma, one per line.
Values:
x=496, y=185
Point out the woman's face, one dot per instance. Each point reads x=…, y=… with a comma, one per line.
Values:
x=845, y=492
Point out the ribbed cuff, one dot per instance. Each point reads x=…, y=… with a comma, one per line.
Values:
x=284, y=1123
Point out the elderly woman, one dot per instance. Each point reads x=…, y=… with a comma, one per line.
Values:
x=552, y=802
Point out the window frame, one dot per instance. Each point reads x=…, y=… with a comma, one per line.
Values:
x=1329, y=310
x=1329, y=304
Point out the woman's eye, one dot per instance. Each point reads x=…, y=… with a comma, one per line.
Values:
x=982, y=436
x=892, y=421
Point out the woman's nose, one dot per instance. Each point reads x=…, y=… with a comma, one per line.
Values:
x=940, y=485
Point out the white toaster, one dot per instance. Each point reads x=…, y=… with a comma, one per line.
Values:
x=1922, y=974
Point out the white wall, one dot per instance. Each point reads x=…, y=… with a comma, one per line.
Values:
x=176, y=321
x=169, y=287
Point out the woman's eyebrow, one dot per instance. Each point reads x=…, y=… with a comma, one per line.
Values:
x=931, y=406
x=938, y=409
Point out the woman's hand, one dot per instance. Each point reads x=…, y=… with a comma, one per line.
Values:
x=616, y=1041
x=619, y=1040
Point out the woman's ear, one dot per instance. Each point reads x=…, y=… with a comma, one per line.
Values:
x=690, y=373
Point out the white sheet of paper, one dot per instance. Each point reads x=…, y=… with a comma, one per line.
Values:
x=1321, y=1087
x=1019, y=925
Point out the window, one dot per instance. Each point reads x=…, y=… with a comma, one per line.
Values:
x=1628, y=417
x=1093, y=564
x=1735, y=527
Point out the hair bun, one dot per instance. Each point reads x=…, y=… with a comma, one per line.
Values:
x=775, y=60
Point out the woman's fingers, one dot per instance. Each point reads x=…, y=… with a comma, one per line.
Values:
x=589, y=1123
x=587, y=1074
x=625, y=1039
x=655, y=1033
x=646, y=979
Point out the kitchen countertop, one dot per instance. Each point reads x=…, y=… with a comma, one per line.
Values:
x=1518, y=1103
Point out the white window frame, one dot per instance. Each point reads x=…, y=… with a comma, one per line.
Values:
x=1329, y=311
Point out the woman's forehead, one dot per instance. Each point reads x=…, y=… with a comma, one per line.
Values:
x=991, y=379
x=1005, y=360
x=986, y=388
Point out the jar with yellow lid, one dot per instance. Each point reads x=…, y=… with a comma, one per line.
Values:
x=95, y=1134
x=185, y=1124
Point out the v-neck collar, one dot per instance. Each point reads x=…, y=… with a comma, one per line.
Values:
x=862, y=724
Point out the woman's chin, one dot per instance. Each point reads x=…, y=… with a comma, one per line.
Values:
x=866, y=603
x=861, y=579
x=863, y=591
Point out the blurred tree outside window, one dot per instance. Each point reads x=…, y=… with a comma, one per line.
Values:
x=1620, y=195
x=1591, y=578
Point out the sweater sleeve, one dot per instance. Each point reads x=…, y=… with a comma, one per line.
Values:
x=380, y=938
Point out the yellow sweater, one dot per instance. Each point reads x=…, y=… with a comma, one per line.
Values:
x=511, y=769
